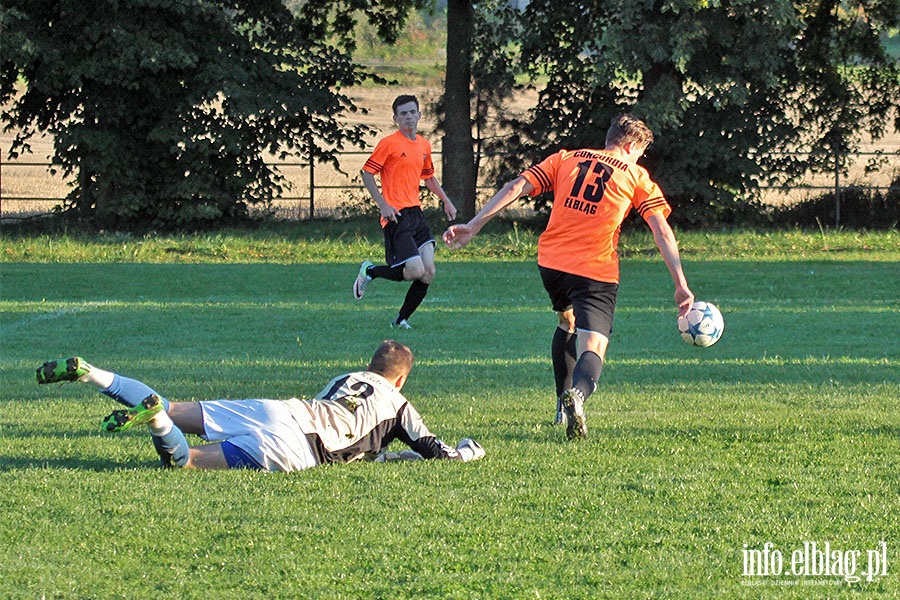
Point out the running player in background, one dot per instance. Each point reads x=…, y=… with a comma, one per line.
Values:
x=354, y=417
x=402, y=159
x=593, y=191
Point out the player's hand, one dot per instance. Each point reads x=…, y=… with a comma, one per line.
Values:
x=470, y=449
x=683, y=298
x=390, y=213
x=457, y=236
x=449, y=210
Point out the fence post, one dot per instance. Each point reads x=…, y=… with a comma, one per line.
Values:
x=312, y=183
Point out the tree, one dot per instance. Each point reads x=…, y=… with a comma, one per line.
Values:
x=165, y=110
x=481, y=72
x=458, y=156
x=724, y=84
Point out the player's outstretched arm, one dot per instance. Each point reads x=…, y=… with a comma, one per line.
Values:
x=430, y=447
x=668, y=247
x=467, y=450
x=458, y=236
x=415, y=434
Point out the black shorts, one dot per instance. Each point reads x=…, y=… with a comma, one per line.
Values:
x=403, y=239
x=592, y=301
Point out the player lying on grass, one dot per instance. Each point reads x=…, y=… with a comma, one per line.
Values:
x=593, y=191
x=354, y=417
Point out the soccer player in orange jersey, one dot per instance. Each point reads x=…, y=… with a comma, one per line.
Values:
x=403, y=159
x=593, y=191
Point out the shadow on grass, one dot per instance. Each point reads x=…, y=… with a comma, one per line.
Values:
x=79, y=464
x=73, y=449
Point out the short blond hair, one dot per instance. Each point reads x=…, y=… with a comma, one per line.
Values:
x=391, y=360
x=626, y=128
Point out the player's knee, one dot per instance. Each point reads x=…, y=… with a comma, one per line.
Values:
x=427, y=274
x=414, y=270
x=567, y=321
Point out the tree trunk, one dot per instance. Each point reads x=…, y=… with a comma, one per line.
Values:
x=458, y=157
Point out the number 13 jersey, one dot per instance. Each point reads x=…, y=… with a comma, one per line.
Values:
x=593, y=192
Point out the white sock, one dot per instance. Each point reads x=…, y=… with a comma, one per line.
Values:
x=161, y=424
x=102, y=379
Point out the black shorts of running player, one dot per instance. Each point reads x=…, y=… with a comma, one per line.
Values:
x=403, y=239
x=592, y=301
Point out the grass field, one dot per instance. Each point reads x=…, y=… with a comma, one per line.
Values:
x=786, y=432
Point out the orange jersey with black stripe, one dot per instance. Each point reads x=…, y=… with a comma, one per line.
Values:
x=593, y=192
x=402, y=163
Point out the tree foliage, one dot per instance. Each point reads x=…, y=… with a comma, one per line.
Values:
x=724, y=84
x=165, y=110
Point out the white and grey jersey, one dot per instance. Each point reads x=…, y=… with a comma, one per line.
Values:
x=357, y=415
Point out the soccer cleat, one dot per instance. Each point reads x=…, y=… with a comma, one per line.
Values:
x=401, y=324
x=560, y=418
x=362, y=280
x=123, y=419
x=64, y=369
x=573, y=407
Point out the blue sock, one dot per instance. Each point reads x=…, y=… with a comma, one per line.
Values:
x=130, y=392
x=172, y=448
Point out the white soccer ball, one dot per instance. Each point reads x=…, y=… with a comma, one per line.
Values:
x=702, y=326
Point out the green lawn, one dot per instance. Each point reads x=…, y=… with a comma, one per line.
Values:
x=787, y=431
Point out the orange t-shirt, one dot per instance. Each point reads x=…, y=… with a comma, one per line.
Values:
x=593, y=191
x=402, y=164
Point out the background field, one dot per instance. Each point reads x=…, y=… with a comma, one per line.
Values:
x=340, y=190
x=787, y=431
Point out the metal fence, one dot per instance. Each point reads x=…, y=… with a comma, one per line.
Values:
x=27, y=189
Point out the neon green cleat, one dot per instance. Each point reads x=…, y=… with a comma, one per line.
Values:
x=123, y=419
x=64, y=369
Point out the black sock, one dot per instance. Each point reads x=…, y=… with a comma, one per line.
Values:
x=386, y=272
x=414, y=297
x=564, y=356
x=587, y=372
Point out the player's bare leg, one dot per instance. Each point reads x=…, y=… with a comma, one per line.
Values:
x=187, y=416
x=208, y=456
x=421, y=267
x=591, y=341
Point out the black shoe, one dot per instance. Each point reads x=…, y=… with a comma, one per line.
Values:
x=573, y=407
